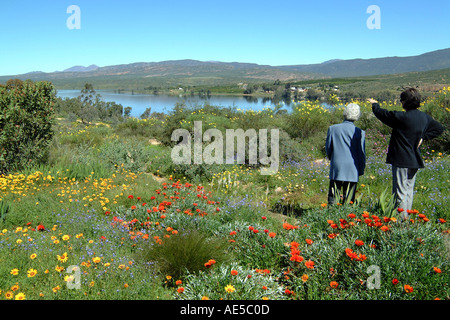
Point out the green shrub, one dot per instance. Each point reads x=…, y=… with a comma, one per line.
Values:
x=26, y=119
x=185, y=252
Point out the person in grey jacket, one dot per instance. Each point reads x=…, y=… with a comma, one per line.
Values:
x=345, y=147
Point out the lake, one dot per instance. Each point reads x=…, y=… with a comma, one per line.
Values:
x=165, y=103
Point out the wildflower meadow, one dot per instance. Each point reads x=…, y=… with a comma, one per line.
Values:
x=105, y=215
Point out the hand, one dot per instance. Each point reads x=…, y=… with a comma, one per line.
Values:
x=372, y=100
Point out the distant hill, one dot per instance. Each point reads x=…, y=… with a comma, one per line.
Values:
x=212, y=73
x=166, y=73
x=92, y=67
x=434, y=60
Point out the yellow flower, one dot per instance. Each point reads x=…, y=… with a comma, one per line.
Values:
x=121, y=266
x=229, y=288
x=19, y=241
x=31, y=273
x=33, y=256
x=63, y=257
x=65, y=237
x=59, y=269
x=55, y=289
x=15, y=272
x=20, y=296
x=15, y=287
x=69, y=278
x=9, y=295
x=205, y=298
x=96, y=259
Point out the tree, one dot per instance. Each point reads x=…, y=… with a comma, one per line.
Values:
x=146, y=113
x=89, y=99
x=127, y=112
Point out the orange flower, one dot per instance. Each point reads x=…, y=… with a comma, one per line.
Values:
x=437, y=270
x=210, y=263
x=272, y=234
x=234, y=272
x=309, y=264
x=294, y=244
x=408, y=288
x=180, y=290
x=305, y=277
x=288, y=226
x=334, y=284
x=296, y=258
x=309, y=241
x=359, y=242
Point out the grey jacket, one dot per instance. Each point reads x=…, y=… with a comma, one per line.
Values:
x=346, y=148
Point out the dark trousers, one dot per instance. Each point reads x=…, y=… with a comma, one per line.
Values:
x=346, y=189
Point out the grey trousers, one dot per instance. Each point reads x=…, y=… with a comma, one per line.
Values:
x=403, y=180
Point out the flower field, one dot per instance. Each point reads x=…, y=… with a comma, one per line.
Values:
x=101, y=222
x=327, y=253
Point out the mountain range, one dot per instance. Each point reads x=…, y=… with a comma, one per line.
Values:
x=194, y=72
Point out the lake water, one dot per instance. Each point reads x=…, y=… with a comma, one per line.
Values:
x=165, y=103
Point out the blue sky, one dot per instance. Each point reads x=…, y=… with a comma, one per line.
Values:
x=35, y=36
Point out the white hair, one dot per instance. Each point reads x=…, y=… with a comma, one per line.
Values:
x=352, y=112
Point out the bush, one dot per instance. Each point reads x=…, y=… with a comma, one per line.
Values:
x=185, y=253
x=26, y=119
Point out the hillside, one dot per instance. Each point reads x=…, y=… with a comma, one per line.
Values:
x=434, y=60
x=190, y=73
x=166, y=73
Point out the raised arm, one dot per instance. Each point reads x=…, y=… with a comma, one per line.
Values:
x=389, y=118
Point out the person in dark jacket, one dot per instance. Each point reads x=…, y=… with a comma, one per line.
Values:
x=409, y=129
x=345, y=147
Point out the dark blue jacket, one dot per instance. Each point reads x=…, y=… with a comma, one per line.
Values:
x=408, y=128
